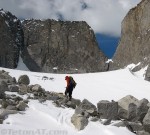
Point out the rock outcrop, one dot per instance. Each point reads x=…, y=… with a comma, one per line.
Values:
x=135, y=38
x=88, y=107
x=61, y=47
x=11, y=39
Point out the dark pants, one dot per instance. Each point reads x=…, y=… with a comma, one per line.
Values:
x=69, y=90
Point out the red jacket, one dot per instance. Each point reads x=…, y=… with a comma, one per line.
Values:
x=67, y=80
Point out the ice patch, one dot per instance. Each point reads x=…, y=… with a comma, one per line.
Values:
x=55, y=68
x=21, y=65
x=7, y=23
x=141, y=73
x=2, y=12
x=15, y=20
x=131, y=66
x=109, y=60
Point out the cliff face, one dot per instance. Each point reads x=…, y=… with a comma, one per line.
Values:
x=134, y=46
x=11, y=38
x=49, y=46
x=61, y=47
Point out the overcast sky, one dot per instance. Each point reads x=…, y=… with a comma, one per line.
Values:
x=104, y=16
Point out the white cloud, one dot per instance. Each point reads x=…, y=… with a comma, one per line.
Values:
x=104, y=16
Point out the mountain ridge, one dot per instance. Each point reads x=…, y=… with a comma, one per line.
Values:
x=53, y=46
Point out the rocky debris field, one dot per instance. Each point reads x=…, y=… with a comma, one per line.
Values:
x=127, y=112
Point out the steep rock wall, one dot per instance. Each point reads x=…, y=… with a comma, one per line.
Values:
x=134, y=46
x=61, y=47
x=11, y=39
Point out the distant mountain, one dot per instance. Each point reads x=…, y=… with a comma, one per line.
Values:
x=134, y=46
x=49, y=45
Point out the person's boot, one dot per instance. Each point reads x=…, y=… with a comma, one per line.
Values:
x=70, y=98
x=67, y=96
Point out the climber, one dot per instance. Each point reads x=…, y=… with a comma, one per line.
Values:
x=71, y=84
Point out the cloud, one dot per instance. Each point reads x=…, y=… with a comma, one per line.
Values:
x=104, y=16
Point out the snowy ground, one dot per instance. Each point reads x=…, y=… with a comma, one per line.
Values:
x=45, y=119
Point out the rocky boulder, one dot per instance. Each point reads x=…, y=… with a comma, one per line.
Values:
x=70, y=104
x=107, y=110
x=61, y=47
x=4, y=76
x=147, y=75
x=53, y=97
x=4, y=113
x=146, y=122
x=23, y=89
x=37, y=88
x=135, y=126
x=13, y=88
x=125, y=101
x=77, y=102
x=122, y=113
x=148, y=105
x=82, y=113
x=86, y=106
x=3, y=88
x=11, y=39
x=142, y=133
x=128, y=107
x=142, y=109
x=63, y=101
x=24, y=79
x=79, y=121
x=11, y=107
x=21, y=106
x=132, y=109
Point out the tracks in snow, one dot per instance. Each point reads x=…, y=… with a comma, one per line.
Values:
x=64, y=117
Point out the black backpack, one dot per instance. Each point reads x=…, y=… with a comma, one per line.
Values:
x=72, y=82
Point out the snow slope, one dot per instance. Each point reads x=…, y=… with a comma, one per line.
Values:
x=93, y=86
x=111, y=85
x=49, y=118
